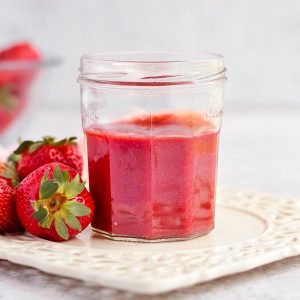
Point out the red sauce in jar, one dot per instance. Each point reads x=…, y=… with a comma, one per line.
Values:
x=153, y=177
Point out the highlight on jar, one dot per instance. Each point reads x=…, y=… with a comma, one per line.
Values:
x=152, y=122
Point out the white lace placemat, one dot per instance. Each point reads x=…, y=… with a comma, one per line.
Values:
x=251, y=230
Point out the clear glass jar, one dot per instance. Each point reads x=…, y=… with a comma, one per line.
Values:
x=151, y=124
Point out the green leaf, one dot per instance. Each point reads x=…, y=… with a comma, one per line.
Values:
x=48, y=139
x=57, y=174
x=73, y=188
x=72, y=141
x=61, y=142
x=35, y=205
x=15, y=182
x=76, y=208
x=66, y=176
x=72, y=138
x=40, y=215
x=14, y=158
x=72, y=221
x=61, y=227
x=35, y=146
x=47, y=222
x=23, y=147
x=66, y=141
x=48, y=188
x=45, y=177
x=10, y=172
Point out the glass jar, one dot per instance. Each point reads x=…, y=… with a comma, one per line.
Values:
x=151, y=124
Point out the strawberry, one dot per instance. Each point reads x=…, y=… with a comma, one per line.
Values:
x=15, y=79
x=31, y=155
x=9, y=221
x=53, y=203
x=20, y=51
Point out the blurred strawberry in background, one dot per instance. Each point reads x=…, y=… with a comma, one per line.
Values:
x=18, y=69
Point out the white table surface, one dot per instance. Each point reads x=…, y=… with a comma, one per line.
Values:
x=259, y=150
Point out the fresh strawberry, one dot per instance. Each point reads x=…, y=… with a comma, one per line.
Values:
x=32, y=155
x=20, y=51
x=9, y=221
x=15, y=80
x=15, y=74
x=53, y=203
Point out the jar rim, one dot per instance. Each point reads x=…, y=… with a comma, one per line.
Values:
x=151, y=68
x=168, y=57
